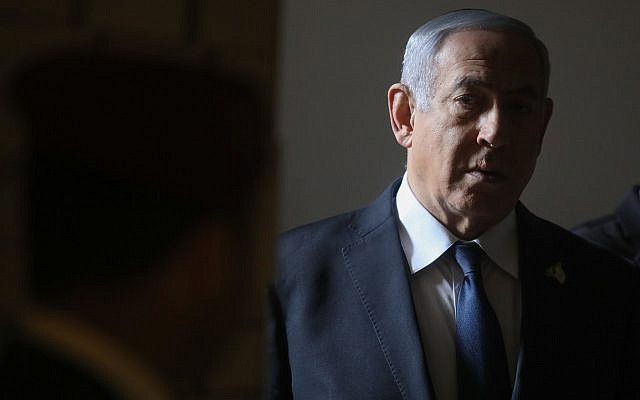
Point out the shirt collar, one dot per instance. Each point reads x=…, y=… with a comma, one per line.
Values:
x=500, y=242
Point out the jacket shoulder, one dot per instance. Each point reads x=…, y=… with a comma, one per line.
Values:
x=326, y=235
x=577, y=248
x=608, y=232
x=333, y=233
x=601, y=259
x=600, y=229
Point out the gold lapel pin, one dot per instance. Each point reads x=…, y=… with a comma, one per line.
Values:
x=557, y=272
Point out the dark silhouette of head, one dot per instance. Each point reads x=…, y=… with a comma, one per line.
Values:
x=143, y=174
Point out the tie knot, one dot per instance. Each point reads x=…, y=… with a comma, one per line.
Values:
x=468, y=256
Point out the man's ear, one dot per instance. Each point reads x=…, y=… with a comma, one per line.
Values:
x=547, y=112
x=401, y=109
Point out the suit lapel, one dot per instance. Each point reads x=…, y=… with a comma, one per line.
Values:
x=377, y=267
x=547, y=308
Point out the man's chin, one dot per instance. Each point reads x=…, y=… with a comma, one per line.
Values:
x=485, y=207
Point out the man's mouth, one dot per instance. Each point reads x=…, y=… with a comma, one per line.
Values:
x=487, y=175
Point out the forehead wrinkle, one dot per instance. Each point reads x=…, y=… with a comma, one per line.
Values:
x=476, y=79
x=466, y=81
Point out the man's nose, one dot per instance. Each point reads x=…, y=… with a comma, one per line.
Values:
x=491, y=128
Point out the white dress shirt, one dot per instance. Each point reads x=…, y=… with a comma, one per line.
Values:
x=436, y=279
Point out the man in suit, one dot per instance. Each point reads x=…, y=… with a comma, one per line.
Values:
x=446, y=287
x=147, y=180
x=620, y=231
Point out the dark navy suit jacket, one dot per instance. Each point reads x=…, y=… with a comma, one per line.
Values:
x=344, y=327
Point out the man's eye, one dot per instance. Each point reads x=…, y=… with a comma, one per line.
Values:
x=522, y=108
x=467, y=100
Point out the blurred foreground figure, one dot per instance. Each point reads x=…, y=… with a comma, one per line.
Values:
x=620, y=231
x=144, y=179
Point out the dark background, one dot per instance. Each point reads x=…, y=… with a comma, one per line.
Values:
x=238, y=36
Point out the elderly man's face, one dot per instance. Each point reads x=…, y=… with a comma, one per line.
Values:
x=472, y=152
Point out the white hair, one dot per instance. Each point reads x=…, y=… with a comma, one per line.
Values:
x=419, y=67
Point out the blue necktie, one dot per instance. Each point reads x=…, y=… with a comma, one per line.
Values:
x=480, y=354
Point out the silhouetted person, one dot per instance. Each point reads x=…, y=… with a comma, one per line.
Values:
x=144, y=176
x=620, y=231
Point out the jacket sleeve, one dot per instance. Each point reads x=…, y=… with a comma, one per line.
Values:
x=277, y=371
